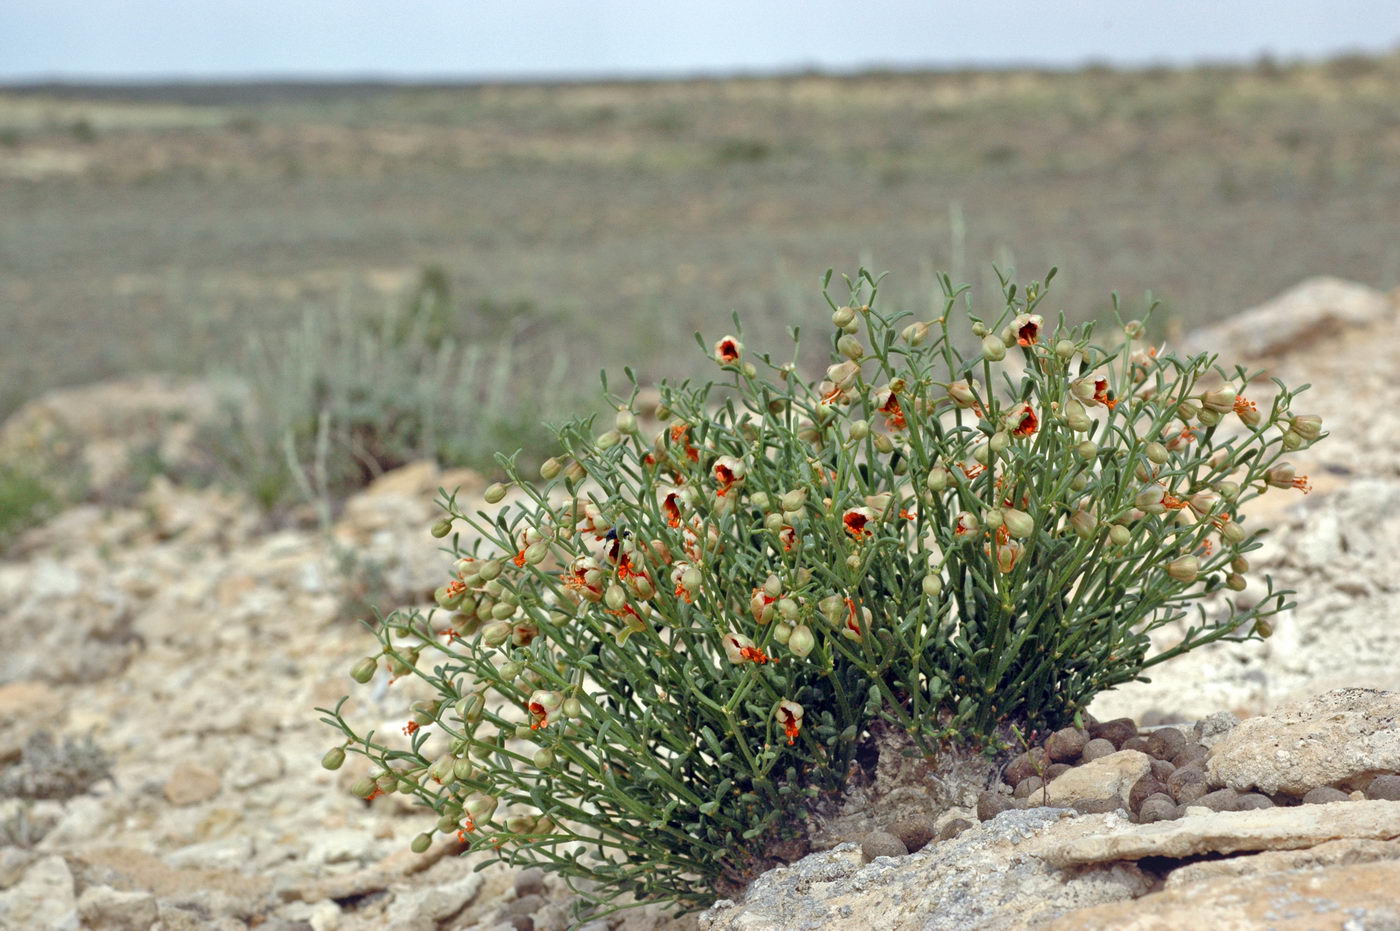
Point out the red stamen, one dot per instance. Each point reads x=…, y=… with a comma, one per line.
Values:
x=1028, y=424
x=410, y=728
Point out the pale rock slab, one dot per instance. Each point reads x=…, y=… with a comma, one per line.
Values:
x=1312, y=309
x=1344, y=737
x=1111, y=775
x=45, y=897
x=1349, y=897
x=1107, y=838
x=981, y=879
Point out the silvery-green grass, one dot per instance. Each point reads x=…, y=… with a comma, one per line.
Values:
x=655, y=657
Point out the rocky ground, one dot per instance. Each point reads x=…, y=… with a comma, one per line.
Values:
x=191, y=645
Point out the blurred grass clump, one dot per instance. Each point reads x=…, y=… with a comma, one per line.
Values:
x=329, y=404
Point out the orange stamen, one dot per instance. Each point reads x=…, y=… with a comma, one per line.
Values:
x=1244, y=406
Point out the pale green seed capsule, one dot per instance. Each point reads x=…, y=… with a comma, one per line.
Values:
x=1156, y=453
x=496, y=633
x=760, y=500
x=363, y=787
x=933, y=585
x=1236, y=582
x=1239, y=564
x=572, y=708
x=1232, y=532
x=495, y=493
x=1307, y=426
x=787, y=609
x=782, y=633
x=626, y=422
x=550, y=469
x=1119, y=535
x=937, y=478
x=1228, y=490
x=1083, y=524
x=447, y=824
x=853, y=561
x=993, y=348
x=1263, y=628
x=850, y=347
x=859, y=430
x=794, y=500
x=1292, y=441
x=883, y=444
x=535, y=553
x=1208, y=417
x=462, y=768
x=1018, y=523
x=502, y=611
x=843, y=317
x=691, y=579
x=999, y=441
x=1184, y=568
x=442, y=528
x=1079, y=482
x=1088, y=449
x=801, y=641
x=387, y=781
x=489, y=569
x=615, y=597
x=544, y=758
x=1065, y=349
x=364, y=670
x=609, y=439
x=334, y=758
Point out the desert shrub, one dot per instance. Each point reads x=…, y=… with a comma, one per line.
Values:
x=346, y=396
x=650, y=666
x=51, y=770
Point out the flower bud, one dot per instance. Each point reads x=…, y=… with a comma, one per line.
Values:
x=1119, y=535
x=1133, y=329
x=1307, y=426
x=334, y=758
x=364, y=670
x=441, y=528
x=787, y=609
x=1208, y=417
x=1292, y=441
x=832, y=607
x=850, y=347
x=469, y=708
x=1203, y=502
x=858, y=430
x=575, y=472
x=608, y=439
x=625, y=422
x=998, y=442
x=1220, y=400
x=535, y=553
x=550, y=469
x=1239, y=564
x=1228, y=490
x=961, y=394
x=1079, y=482
x=363, y=787
x=1236, y=582
x=494, y=493
x=993, y=349
x=496, y=633
x=1087, y=449
x=883, y=444
x=572, y=708
x=1065, y=349
x=1083, y=524
x=932, y=585
x=937, y=478
x=915, y=333
x=544, y=758
x=480, y=807
x=1149, y=496
x=1076, y=417
x=1156, y=453
x=982, y=453
x=794, y=500
x=801, y=641
x=1232, y=532
x=1184, y=568
x=781, y=633
x=489, y=569
x=1263, y=628
x=853, y=562
x=1188, y=410
x=1018, y=523
x=843, y=374
x=615, y=597
x=843, y=317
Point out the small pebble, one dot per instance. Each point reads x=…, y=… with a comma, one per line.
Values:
x=1323, y=795
x=1097, y=748
x=1026, y=786
x=1166, y=742
x=1191, y=793
x=1145, y=786
x=525, y=905
x=953, y=828
x=882, y=844
x=990, y=804
x=1140, y=744
x=1116, y=731
x=1055, y=769
x=1220, y=800
x=1158, y=808
x=1213, y=727
x=1162, y=769
x=1251, y=800
x=523, y=922
x=914, y=832
x=1025, y=765
x=1065, y=745
x=1191, y=754
x=529, y=882
x=1384, y=788
x=1183, y=777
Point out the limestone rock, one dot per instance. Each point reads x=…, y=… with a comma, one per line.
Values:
x=1109, y=776
x=978, y=879
x=191, y=784
x=1096, y=841
x=1341, y=738
x=43, y=898
x=1352, y=896
x=103, y=908
x=1297, y=318
x=1329, y=853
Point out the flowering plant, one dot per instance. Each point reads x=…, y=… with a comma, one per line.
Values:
x=652, y=664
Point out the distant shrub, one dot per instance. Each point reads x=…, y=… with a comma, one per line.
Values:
x=652, y=666
x=732, y=151
x=51, y=770
x=347, y=396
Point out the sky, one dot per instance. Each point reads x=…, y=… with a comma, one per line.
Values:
x=426, y=39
